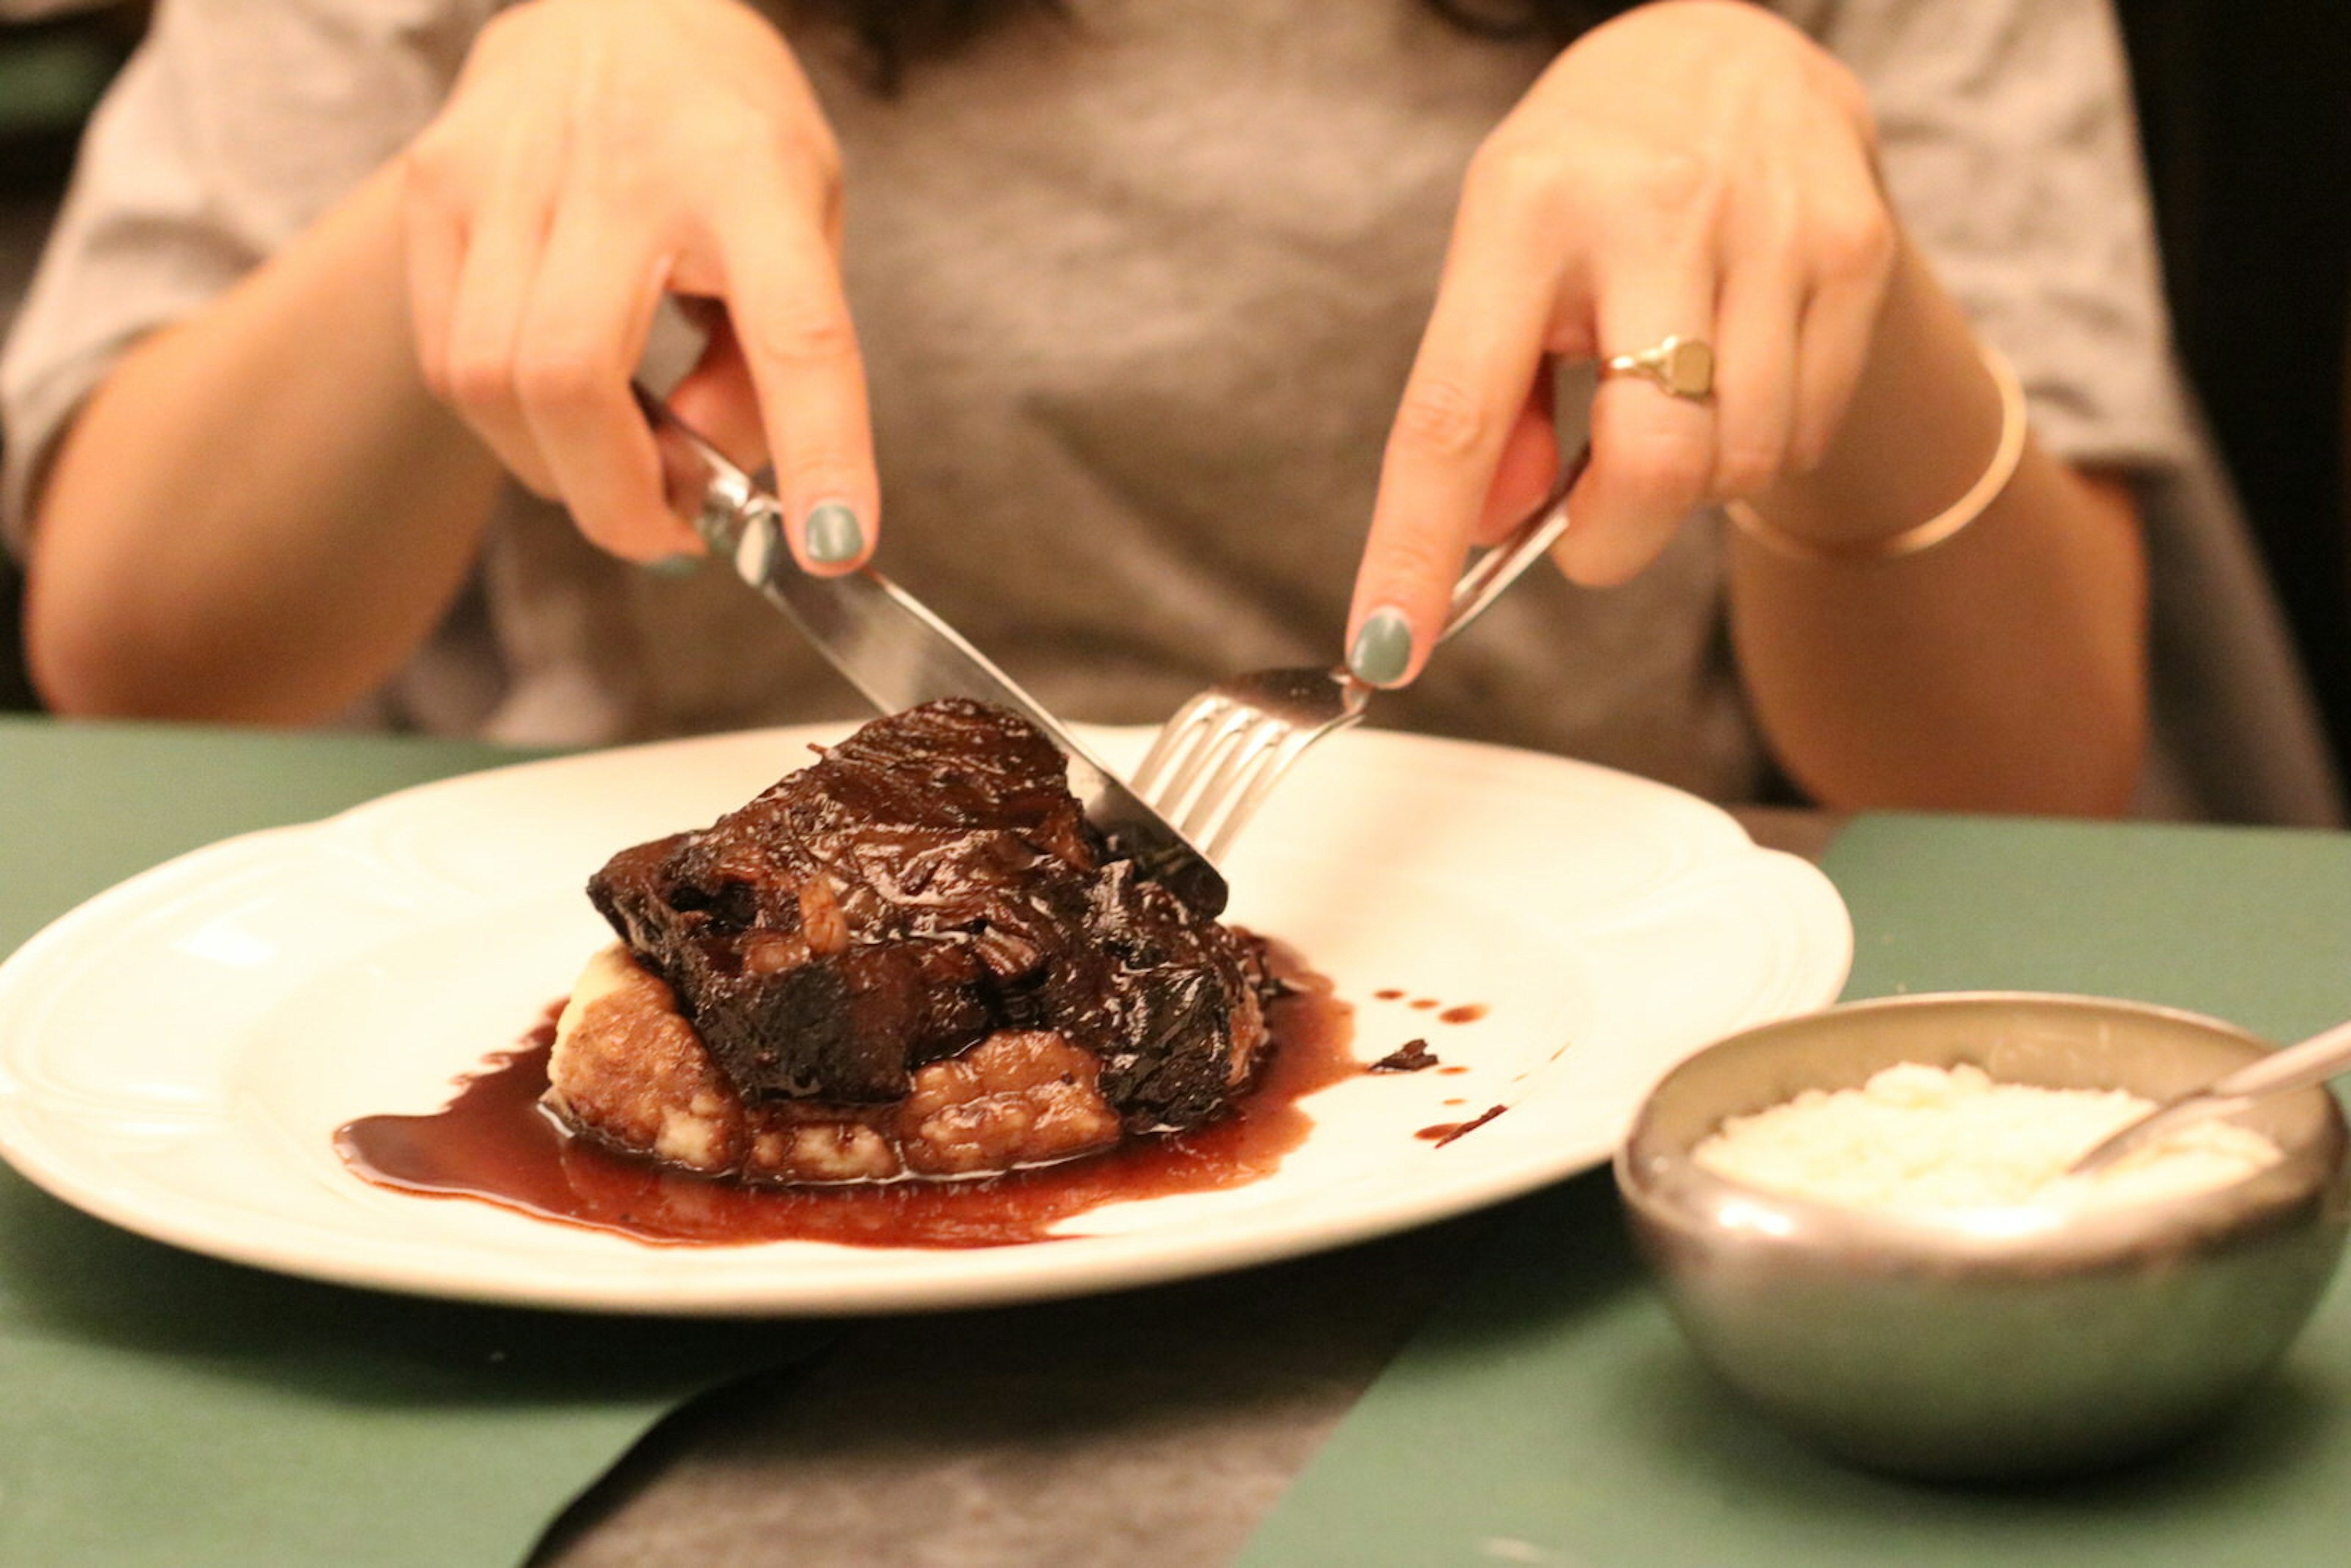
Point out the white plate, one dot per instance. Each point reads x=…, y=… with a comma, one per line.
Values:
x=176, y=1054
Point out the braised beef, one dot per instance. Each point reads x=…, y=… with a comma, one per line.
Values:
x=925, y=882
x=1412, y=1056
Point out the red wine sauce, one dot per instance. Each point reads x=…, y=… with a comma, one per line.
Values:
x=493, y=1143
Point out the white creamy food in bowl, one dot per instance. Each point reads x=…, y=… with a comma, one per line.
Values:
x=1860, y=1221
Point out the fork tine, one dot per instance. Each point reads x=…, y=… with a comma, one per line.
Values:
x=1201, y=711
x=1217, y=821
x=1209, y=742
x=1251, y=738
x=1219, y=758
x=1272, y=764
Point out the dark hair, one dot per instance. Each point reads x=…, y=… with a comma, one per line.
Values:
x=895, y=33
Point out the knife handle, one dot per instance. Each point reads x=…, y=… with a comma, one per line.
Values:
x=739, y=521
x=1524, y=544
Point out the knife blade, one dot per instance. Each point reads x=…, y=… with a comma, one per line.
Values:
x=897, y=653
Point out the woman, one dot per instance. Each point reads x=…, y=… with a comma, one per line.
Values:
x=1131, y=313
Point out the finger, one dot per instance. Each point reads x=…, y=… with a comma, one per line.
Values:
x=717, y=399
x=793, y=324
x=1465, y=396
x=1652, y=453
x=1529, y=462
x=591, y=305
x=433, y=252
x=1762, y=301
x=504, y=241
x=1839, y=322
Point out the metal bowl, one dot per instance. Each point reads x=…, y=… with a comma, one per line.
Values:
x=1975, y=1350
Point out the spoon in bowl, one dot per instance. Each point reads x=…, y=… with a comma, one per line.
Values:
x=2314, y=1061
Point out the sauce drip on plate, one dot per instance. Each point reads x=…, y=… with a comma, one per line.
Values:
x=493, y=1142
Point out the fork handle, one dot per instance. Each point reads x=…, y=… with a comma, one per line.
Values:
x=1503, y=565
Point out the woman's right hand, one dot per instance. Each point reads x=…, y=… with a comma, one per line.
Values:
x=595, y=155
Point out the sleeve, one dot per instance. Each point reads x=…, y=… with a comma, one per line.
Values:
x=2010, y=147
x=231, y=130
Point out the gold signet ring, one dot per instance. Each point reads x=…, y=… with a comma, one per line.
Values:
x=1681, y=366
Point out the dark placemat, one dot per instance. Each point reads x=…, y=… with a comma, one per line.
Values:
x=1547, y=1414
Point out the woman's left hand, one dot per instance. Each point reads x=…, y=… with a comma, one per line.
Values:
x=1695, y=169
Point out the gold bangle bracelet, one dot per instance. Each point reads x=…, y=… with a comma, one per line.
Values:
x=1934, y=530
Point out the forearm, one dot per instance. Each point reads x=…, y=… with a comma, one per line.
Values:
x=2000, y=670
x=262, y=511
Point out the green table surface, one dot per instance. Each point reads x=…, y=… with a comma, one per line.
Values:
x=158, y=1407
x=1547, y=1414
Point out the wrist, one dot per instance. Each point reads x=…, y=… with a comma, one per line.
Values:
x=1794, y=543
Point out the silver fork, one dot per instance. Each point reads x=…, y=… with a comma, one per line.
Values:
x=1216, y=761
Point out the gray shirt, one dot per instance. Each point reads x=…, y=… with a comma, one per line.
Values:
x=1137, y=294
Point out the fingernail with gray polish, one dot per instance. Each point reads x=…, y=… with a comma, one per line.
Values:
x=1383, y=649
x=833, y=534
x=685, y=563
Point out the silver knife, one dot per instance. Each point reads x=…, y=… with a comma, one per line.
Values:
x=897, y=653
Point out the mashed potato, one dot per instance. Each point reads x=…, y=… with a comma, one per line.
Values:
x=1928, y=1138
